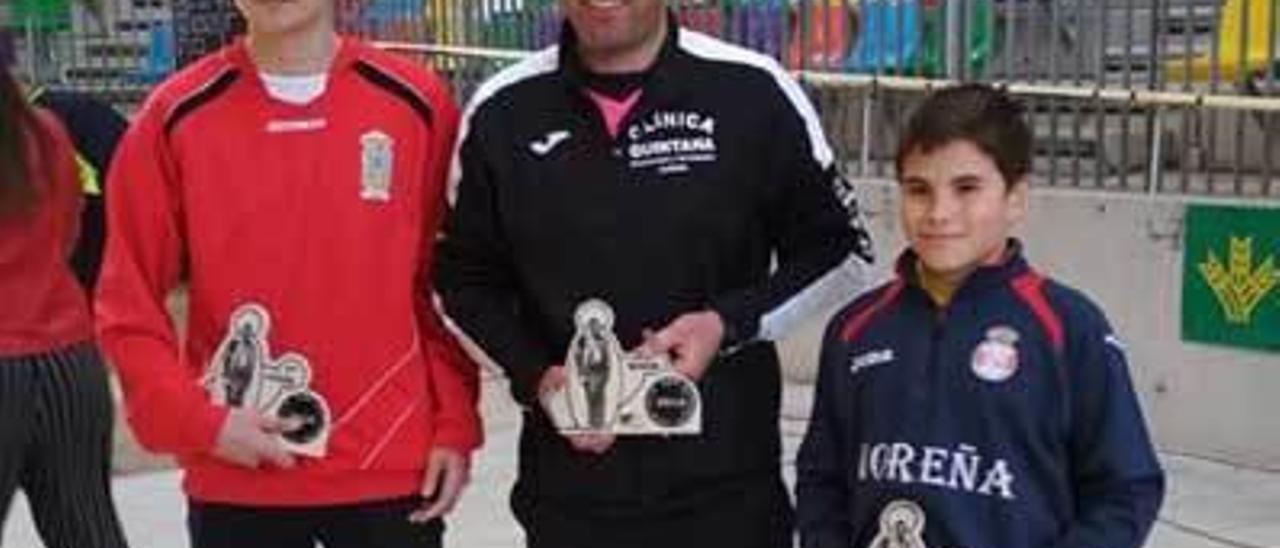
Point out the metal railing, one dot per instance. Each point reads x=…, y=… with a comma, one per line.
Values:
x=1161, y=96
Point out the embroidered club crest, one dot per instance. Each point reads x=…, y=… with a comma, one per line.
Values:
x=377, y=161
x=901, y=526
x=996, y=359
x=243, y=374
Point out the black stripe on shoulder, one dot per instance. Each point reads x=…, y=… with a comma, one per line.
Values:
x=200, y=98
x=395, y=86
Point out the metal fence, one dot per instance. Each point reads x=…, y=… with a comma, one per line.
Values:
x=1159, y=96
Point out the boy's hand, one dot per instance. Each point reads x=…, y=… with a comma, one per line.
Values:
x=248, y=439
x=448, y=472
x=553, y=379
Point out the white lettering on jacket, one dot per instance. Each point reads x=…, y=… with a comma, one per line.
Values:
x=960, y=469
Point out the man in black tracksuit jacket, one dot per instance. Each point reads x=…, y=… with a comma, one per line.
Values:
x=695, y=187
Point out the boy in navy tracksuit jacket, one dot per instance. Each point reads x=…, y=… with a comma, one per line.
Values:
x=972, y=402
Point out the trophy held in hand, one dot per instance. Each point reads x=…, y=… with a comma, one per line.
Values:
x=244, y=374
x=612, y=392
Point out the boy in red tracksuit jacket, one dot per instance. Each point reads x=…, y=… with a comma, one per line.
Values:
x=294, y=180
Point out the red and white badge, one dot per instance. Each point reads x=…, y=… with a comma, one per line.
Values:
x=996, y=359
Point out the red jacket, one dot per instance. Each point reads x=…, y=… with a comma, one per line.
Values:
x=323, y=216
x=43, y=305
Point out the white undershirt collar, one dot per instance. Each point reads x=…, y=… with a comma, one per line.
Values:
x=295, y=90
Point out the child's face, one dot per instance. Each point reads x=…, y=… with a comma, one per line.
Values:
x=278, y=17
x=957, y=210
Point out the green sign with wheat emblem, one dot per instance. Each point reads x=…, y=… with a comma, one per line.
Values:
x=1231, y=277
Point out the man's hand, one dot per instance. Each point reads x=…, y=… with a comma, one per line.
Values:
x=554, y=379
x=692, y=340
x=597, y=444
x=249, y=439
x=448, y=472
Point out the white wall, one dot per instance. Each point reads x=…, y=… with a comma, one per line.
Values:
x=1125, y=251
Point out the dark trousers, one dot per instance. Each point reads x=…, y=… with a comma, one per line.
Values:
x=756, y=516
x=55, y=445
x=383, y=524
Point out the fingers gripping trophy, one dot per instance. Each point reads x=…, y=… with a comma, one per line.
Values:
x=243, y=374
x=610, y=391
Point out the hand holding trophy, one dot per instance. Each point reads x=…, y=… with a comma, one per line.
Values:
x=608, y=391
x=244, y=375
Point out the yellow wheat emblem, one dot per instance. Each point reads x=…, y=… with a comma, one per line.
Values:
x=1240, y=286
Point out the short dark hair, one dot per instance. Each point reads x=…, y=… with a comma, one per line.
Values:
x=978, y=113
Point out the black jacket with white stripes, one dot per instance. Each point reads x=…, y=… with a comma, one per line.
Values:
x=718, y=191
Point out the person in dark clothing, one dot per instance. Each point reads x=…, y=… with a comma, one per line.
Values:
x=687, y=183
x=972, y=401
x=96, y=128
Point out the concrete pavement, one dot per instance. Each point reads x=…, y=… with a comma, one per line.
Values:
x=1209, y=505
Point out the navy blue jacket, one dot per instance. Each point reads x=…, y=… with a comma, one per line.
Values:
x=1006, y=419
